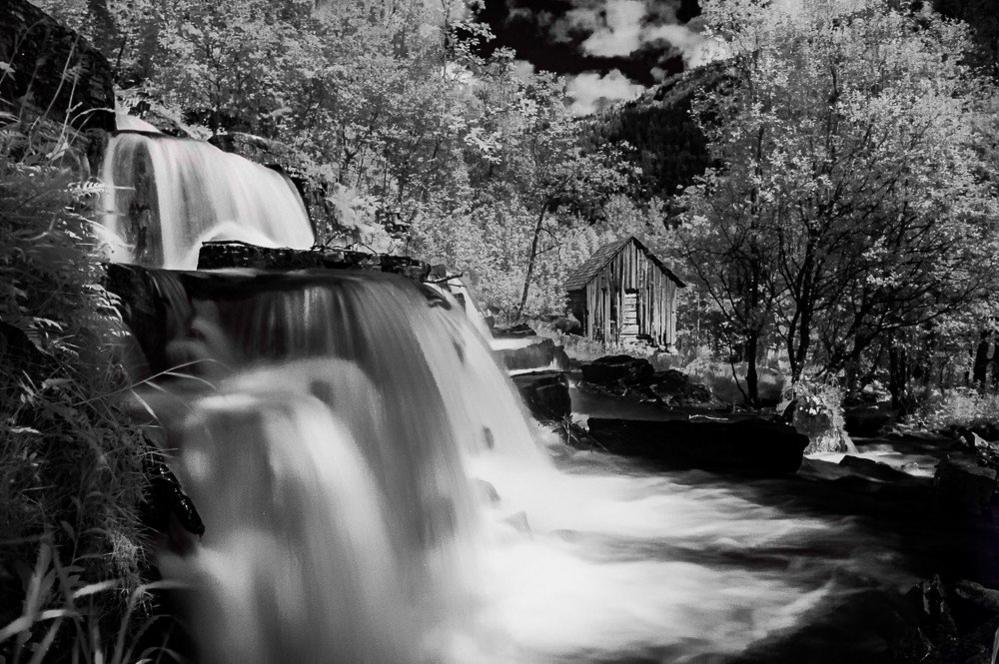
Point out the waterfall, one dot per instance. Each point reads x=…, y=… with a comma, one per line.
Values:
x=373, y=492
x=372, y=489
x=166, y=196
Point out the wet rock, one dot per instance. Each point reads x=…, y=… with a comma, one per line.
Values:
x=538, y=353
x=961, y=482
x=616, y=369
x=144, y=311
x=546, y=394
x=872, y=469
x=675, y=389
x=568, y=325
x=743, y=446
x=54, y=72
x=987, y=452
x=167, y=509
x=515, y=331
x=223, y=254
x=867, y=420
x=868, y=626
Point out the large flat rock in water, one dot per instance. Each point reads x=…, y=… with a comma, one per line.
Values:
x=752, y=446
x=546, y=394
x=529, y=353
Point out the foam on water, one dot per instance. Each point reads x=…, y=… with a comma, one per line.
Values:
x=345, y=468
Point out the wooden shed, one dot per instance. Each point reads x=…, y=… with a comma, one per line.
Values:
x=623, y=292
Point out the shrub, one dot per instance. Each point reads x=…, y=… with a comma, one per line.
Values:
x=71, y=474
x=818, y=414
x=958, y=407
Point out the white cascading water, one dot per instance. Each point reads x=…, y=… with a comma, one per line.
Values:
x=166, y=196
x=374, y=493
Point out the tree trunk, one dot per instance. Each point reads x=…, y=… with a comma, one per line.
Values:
x=898, y=381
x=752, y=375
x=530, y=262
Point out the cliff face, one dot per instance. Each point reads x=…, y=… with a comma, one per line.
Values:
x=48, y=70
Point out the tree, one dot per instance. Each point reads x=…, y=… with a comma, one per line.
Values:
x=849, y=202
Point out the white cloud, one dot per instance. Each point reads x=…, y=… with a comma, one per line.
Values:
x=627, y=28
x=582, y=19
x=694, y=47
x=622, y=35
x=590, y=91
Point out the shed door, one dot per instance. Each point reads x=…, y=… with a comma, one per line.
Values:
x=629, y=317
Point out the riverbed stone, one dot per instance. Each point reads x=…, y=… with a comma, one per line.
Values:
x=227, y=254
x=54, y=72
x=546, y=394
x=675, y=389
x=535, y=353
x=961, y=482
x=616, y=369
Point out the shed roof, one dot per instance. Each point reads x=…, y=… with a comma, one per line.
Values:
x=583, y=274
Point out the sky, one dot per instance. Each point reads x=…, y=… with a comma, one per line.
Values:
x=612, y=50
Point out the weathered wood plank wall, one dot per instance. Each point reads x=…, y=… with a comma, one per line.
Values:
x=631, y=270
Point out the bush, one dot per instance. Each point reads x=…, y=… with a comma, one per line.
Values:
x=818, y=414
x=71, y=475
x=958, y=407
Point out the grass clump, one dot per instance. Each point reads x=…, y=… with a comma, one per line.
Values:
x=71, y=479
x=958, y=408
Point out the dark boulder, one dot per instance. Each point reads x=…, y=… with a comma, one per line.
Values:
x=538, y=353
x=617, y=369
x=223, y=254
x=933, y=623
x=546, y=394
x=751, y=446
x=54, y=72
x=961, y=482
x=867, y=420
x=567, y=325
x=167, y=509
x=873, y=470
x=516, y=331
x=674, y=388
x=986, y=451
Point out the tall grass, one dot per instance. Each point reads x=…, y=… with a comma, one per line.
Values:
x=61, y=619
x=958, y=407
x=71, y=479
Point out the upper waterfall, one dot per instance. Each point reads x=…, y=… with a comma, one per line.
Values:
x=166, y=196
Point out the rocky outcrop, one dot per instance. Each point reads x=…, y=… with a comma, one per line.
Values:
x=532, y=353
x=635, y=378
x=675, y=389
x=215, y=255
x=962, y=483
x=752, y=446
x=618, y=370
x=546, y=394
x=933, y=623
x=52, y=71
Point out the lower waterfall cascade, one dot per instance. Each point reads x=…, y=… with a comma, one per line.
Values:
x=374, y=492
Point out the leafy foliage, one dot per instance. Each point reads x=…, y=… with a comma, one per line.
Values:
x=72, y=457
x=850, y=202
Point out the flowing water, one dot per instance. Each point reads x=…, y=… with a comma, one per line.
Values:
x=167, y=196
x=373, y=491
